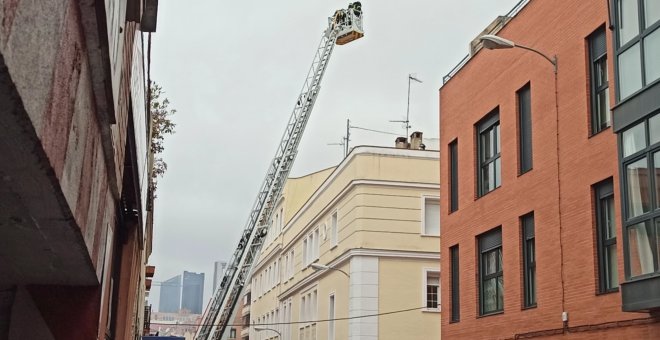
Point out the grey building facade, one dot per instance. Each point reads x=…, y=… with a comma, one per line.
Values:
x=170, y=295
x=193, y=292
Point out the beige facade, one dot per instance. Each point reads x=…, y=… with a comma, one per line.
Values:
x=375, y=219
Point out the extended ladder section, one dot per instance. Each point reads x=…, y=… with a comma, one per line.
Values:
x=346, y=25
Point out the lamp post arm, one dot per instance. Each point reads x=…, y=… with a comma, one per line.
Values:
x=552, y=60
x=259, y=329
x=339, y=270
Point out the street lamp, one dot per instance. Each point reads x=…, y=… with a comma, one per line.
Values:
x=493, y=42
x=318, y=266
x=261, y=329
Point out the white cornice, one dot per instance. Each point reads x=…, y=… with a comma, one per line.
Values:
x=363, y=150
x=330, y=206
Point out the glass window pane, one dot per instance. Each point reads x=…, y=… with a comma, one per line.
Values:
x=657, y=241
x=603, y=108
x=637, y=180
x=651, y=55
x=497, y=168
x=485, y=181
x=640, y=250
x=492, y=146
x=608, y=218
x=431, y=217
x=601, y=72
x=656, y=171
x=628, y=20
x=654, y=129
x=530, y=251
x=489, y=296
x=500, y=293
x=486, y=145
x=651, y=11
x=634, y=139
x=491, y=263
x=497, y=138
x=611, y=272
x=630, y=71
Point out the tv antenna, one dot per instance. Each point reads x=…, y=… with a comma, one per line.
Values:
x=346, y=139
x=411, y=76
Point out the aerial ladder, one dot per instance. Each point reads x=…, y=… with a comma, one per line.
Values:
x=343, y=27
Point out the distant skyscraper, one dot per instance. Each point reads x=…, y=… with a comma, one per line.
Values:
x=218, y=271
x=170, y=295
x=193, y=292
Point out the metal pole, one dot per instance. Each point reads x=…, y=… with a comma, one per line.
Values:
x=348, y=137
x=408, y=107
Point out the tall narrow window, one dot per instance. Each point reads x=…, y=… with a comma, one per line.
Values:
x=529, y=260
x=489, y=166
x=455, y=285
x=316, y=244
x=334, y=232
x=599, y=84
x=331, y=318
x=305, y=252
x=491, y=277
x=608, y=278
x=431, y=216
x=524, y=129
x=432, y=290
x=453, y=175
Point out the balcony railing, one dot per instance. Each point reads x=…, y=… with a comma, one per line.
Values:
x=147, y=320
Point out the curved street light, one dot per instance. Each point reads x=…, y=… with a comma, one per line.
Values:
x=318, y=266
x=261, y=329
x=493, y=42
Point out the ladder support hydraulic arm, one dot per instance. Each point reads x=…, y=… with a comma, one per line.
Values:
x=343, y=27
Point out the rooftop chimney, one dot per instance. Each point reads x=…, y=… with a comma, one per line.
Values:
x=401, y=143
x=416, y=140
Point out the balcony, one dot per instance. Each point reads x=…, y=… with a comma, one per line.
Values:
x=641, y=295
x=149, y=271
x=147, y=320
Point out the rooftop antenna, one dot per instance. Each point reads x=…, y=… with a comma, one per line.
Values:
x=411, y=76
x=346, y=139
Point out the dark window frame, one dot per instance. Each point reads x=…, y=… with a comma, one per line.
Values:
x=604, y=191
x=453, y=176
x=455, y=284
x=620, y=49
x=598, y=58
x=649, y=218
x=525, y=148
x=528, y=238
x=489, y=123
x=490, y=242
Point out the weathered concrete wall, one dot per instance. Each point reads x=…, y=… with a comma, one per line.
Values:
x=54, y=85
x=62, y=159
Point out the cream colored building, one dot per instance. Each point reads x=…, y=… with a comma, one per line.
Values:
x=374, y=219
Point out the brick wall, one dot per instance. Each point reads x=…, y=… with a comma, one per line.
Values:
x=567, y=161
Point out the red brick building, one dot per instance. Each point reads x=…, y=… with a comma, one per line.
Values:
x=531, y=212
x=75, y=230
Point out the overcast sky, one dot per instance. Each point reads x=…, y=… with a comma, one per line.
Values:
x=233, y=71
